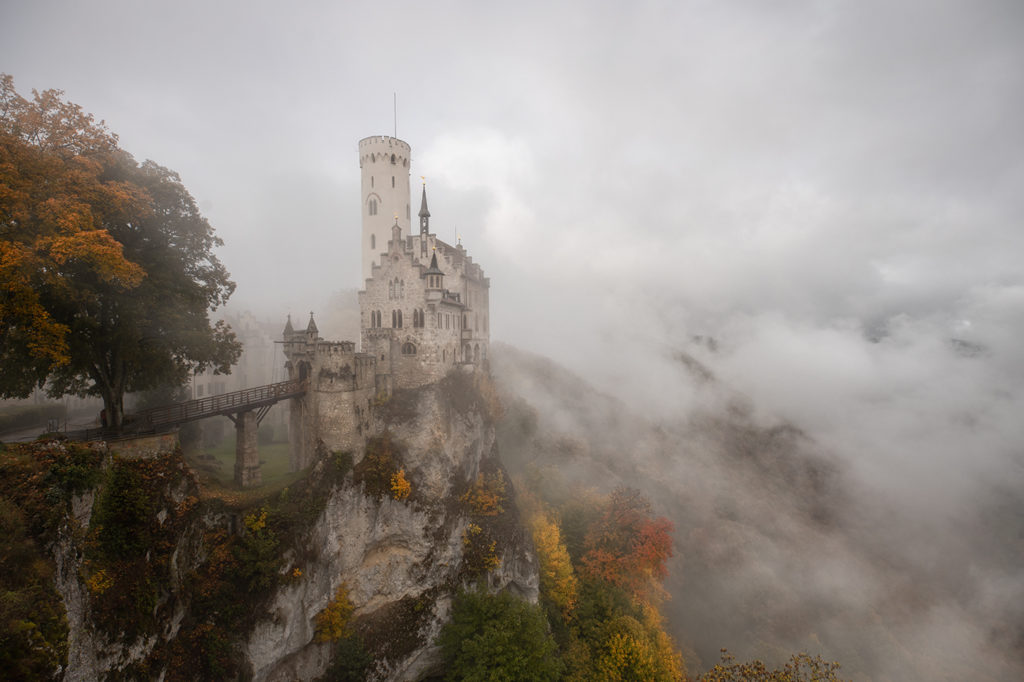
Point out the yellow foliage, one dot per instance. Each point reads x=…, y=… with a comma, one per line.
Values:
x=486, y=495
x=99, y=582
x=256, y=521
x=478, y=553
x=400, y=486
x=332, y=623
x=558, y=581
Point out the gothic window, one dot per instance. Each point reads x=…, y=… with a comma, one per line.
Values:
x=408, y=349
x=392, y=158
x=373, y=241
x=394, y=319
x=373, y=207
x=392, y=182
x=403, y=288
x=399, y=319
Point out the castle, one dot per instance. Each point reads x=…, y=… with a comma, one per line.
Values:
x=424, y=311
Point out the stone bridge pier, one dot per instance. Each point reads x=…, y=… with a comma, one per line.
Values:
x=247, y=455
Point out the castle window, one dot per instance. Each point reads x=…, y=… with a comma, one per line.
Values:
x=397, y=316
x=408, y=349
x=371, y=181
x=394, y=319
x=373, y=241
x=403, y=288
x=392, y=182
x=391, y=291
x=373, y=207
x=392, y=158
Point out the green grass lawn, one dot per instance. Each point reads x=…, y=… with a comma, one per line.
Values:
x=217, y=475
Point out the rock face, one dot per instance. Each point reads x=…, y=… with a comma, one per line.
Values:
x=400, y=560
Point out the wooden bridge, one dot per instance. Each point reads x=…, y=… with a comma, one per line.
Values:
x=245, y=408
x=229, y=405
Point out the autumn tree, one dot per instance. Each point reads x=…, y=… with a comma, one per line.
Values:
x=107, y=266
x=626, y=546
x=799, y=668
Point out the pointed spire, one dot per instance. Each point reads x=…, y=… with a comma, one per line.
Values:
x=311, y=327
x=424, y=211
x=433, y=273
x=288, y=328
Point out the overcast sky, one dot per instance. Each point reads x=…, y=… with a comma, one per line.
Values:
x=628, y=174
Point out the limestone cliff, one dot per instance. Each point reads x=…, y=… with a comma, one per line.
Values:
x=160, y=582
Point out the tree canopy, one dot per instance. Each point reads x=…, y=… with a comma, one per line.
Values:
x=498, y=637
x=107, y=266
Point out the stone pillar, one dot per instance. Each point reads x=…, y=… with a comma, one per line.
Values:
x=247, y=456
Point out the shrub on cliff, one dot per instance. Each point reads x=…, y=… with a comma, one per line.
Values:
x=498, y=637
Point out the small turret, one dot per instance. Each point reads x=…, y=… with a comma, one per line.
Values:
x=288, y=328
x=433, y=275
x=424, y=213
x=311, y=331
x=396, y=234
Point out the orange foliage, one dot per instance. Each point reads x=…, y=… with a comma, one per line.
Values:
x=626, y=547
x=400, y=486
x=333, y=622
x=486, y=496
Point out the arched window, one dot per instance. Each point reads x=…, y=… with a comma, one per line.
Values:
x=392, y=158
x=373, y=207
x=408, y=349
x=399, y=319
x=394, y=319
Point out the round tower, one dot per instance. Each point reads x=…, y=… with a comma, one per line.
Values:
x=384, y=162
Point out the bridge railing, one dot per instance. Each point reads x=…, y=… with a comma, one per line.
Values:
x=225, y=403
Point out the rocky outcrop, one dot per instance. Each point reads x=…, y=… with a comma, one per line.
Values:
x=401, y=561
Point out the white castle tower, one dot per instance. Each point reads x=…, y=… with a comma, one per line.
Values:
x=384, y=162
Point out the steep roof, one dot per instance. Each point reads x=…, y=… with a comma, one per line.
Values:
x=433, y=269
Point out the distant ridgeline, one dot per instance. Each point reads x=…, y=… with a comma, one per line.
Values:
x=424, y=310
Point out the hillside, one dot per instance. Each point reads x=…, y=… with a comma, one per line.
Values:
x=777, y=547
